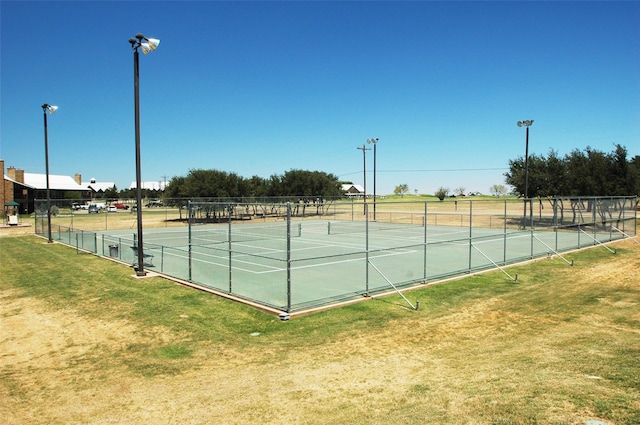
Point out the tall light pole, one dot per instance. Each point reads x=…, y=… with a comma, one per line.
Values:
x=364, y=149
x=51, y=109
x=147, y=45
x=374, y=141
x=526, y=124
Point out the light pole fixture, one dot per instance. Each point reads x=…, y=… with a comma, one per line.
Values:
x=526, y=124
x=364, y=149
x=147, y=45
x=51, y=109
x=374, y=141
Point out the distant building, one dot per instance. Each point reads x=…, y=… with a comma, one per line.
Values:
x=99, y=187
x=25, y=188
x=353, y=190
x=149, y=185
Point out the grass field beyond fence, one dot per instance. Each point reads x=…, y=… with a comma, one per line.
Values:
x=84, y=342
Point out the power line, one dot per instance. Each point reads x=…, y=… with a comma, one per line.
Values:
x=431, y=170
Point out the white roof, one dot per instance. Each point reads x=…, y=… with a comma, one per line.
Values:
x=347, y=187
x=7, y=178
x=39, y=181
x=101, y=186
x=149, y=185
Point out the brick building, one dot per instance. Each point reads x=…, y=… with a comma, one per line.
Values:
x=25, y=188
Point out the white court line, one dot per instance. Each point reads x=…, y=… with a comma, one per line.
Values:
x=226, y=262
x=352, y=260
x=273, y=269
x=325, y=245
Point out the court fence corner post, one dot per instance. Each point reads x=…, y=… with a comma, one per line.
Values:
x=366, y=273
x=189, y=215
x=288, y=257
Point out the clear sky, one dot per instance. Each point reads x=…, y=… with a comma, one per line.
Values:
x=260, y=88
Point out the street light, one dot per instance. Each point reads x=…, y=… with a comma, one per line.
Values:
x=147, y=45
x=51, y=109
x=527, y=124
x=374, y=141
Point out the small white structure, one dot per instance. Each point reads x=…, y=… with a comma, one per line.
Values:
x=11, y=212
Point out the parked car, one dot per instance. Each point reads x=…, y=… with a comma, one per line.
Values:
x=121, y=206
x=154, y=204
x=112, y=208
x=93, y=208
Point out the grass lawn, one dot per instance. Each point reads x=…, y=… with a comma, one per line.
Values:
x=84, y=342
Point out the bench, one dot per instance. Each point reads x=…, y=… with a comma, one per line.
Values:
x=146, y=258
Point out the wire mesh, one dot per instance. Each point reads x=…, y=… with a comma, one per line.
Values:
x=294, y=256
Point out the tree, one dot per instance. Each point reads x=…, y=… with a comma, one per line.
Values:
x=111, y=193
x=555, y=180
x=401, y=189
x=459, y=191
x=580, y=173
x=219, y=184
x=498, y=190
x=442, y=193
x=310, y=184
x=634, y=170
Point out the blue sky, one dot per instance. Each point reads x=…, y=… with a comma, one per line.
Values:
x=260, y=88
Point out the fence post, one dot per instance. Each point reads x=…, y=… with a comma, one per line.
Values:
x=366, y=278
x=424, y=254
x=470, y=233
x=229, y=230
x=531, y=224
x=594, y=220
x=504, y=232
x=288, y=257
x=189, y=212
x=555, y=220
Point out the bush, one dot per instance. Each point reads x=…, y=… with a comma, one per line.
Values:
x=442, y=193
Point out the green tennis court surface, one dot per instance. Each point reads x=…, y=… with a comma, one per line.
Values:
x=324, y=262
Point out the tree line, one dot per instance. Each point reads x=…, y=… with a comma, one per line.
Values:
x=587, y=172
x=200, y=183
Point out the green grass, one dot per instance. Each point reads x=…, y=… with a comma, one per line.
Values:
x=512, y=350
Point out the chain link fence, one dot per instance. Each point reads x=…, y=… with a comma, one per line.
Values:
x=308, y=253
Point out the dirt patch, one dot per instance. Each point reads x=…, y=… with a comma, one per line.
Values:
x=16, y=230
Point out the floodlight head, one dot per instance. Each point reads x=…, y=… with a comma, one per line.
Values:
x=372, y=140
x=49, y=108
x=149, y=45
x=146, y=44
x=519, y=123
x=153, y=43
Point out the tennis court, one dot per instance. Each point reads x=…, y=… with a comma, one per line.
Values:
x=292, y=264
